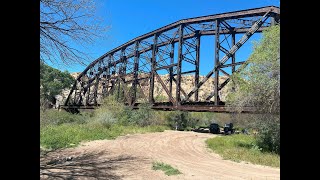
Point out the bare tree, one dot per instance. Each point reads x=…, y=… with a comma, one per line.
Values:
x=64, y=23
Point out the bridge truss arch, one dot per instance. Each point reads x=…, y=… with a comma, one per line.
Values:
x=132, y=69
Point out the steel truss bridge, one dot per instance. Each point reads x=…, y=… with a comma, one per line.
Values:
x=132, y=69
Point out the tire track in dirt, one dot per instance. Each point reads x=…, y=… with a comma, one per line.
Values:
x=185, y=151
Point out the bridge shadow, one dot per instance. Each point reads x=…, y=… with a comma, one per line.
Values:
x=87, y=166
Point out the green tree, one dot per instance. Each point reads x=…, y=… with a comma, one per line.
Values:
x=52, y=82
x=180, y=119
x=258, y=85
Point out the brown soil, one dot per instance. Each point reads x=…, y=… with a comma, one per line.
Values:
x=131, y=157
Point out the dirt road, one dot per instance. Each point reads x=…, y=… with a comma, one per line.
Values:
x=131, y=157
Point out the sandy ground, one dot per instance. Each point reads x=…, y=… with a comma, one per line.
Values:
x=131, y=157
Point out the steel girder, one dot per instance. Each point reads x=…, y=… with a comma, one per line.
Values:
x=135, y=65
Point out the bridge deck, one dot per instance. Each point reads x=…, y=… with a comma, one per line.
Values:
x=168, y=106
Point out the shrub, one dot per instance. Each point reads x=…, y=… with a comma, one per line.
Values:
x=104, y=117
x=68, y=135
x=142, y=116
x=116, y=111
x=241, y=147
x=52, y=82
x=55, y=117
x=268, y=137
x=181, y=119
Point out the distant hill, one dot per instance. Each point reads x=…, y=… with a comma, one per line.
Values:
x=187, y=83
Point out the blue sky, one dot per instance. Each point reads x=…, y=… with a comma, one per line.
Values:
x=128, y=19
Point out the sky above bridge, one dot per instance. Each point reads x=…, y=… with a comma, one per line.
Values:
x=128, y=19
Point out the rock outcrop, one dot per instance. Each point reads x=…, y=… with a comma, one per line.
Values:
x=187, y=84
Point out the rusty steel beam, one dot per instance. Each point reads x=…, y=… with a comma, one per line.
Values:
x=233, y=49
x=96, y=91
x=136, y=69
x=164, y=87
x=225, y=73
x=125, y=90
x=99, y=73
x=185, y=37
x=221, y=109
x=233, y=65
x=244, y=64
x=180, y=58
x=220, y=87
x=186, y=72
x=171, y=70
x=153, y=67
x=216, y=64
x=197, y=64
x=233, y=60
x=166, y=67
x=141, y=91
x=120, y=72
x=194, y=108
x=225, y=16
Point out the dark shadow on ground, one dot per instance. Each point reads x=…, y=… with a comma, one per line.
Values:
x=88, y=166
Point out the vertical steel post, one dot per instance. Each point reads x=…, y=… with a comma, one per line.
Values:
x=272, y=19
x=179, y=65
x=216, y=74
x=135, y=75
x=88, y=92
x=119, y=73
x=113, y=83
x=108, y=75
x=80, y=98
x=123, y=73
x=118, y=85
x=153, y=67
x=197, y=63
x=95, y=93
x=233, y=41
x=171, y=70
x=74, y=89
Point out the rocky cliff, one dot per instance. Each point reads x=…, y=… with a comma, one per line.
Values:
x=187, y=84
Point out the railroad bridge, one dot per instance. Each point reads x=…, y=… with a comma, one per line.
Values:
x=132, y=69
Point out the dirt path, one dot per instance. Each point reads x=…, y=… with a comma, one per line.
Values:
x=131, y=157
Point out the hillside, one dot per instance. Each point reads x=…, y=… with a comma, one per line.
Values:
x=187, y=83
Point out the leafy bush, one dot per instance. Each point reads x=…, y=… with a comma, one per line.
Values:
x=69, y=135
x=104, y=117
x=241, y=147
x=142, y=116
x=180, y=119
x=55, y=117
x=258, y=85
x=52, y=82
x=268, y=137
x=116, y=111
